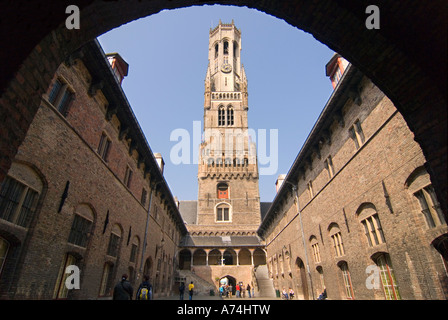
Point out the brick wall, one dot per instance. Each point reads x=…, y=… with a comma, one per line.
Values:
x=374, y=174
x=61, y=148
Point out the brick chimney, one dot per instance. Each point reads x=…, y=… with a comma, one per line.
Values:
x=119, y=66
x=279, y=181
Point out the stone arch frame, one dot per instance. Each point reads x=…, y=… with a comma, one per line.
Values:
x=408, y=48
x=223, y=203
x=185, y=257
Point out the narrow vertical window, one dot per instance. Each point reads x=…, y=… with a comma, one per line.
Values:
x=104, y=146
x=388, y=281
x=80, y=231
x=61, y=96
x=128, y=177
x=329, y=166
x=310, y=189
x=357, y=134
x=62, y=290
x=347, y=281
x=221, y=116
x=230, y=116
x=226, y=47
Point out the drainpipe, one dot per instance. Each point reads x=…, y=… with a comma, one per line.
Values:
x=295, y=188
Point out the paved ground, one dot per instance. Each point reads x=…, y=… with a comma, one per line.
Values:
x=208, y=297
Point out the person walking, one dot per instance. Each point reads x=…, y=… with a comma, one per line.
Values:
x=181, y=291
x=248, y=290
x=237, y=287
x=190, y=290
x=123, y=289
x=144, y=291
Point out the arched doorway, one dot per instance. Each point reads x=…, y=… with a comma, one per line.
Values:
x=185, y=259
x=421, y=97
x=230, y=281
x=302, y=283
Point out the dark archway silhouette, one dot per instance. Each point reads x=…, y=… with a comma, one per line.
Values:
x=405, y=58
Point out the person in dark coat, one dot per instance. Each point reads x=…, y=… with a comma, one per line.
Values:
x=145, y=284
x=181, y=291
x=123, y=289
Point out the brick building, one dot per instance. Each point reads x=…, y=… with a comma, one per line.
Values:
x=356, y=213
x=85, y=189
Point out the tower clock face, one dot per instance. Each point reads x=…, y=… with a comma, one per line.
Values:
x=226, y=68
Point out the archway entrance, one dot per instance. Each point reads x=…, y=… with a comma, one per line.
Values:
x=303, y=283
x=230, y=281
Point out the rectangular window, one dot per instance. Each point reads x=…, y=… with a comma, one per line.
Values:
x=310, y=189
x=222, y=214
x=430, y=206
x=329, y=166
x=104, y=146
x=316, y=252
x=17, y=202
x=112, y=249
x=144, y=196
x=133, y=257
x=127, y=177
x=61, y=96
x=357, y=134
x=61, y=289
x=388, y=280
x=80, y=231
x=347, y=281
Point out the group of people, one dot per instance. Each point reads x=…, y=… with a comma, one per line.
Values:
x=226, y=290
x=190, y=290
x=123, y=289
x=288, y=295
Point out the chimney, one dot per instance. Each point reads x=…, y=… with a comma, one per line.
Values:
x=160, y=161
x=279, y=181
x=119, y=66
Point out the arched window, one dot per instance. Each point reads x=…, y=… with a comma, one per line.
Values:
x=347, y=280
x=61, y=291
x=370, y=221
x=226, y=47
x=223, y=213
x=223, y=190
x=221, y=116
x=19, y=195
x=114, y=241
x=420, y=186
x=315, y=247
x=81, y=226
x=388, y=281
x=230, y=117
x=336, y=237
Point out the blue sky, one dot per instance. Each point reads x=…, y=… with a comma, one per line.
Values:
x=167, y=55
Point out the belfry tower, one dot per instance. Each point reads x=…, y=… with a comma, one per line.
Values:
x=228, y=197
x=222, y=241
